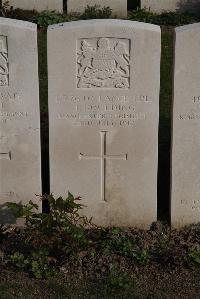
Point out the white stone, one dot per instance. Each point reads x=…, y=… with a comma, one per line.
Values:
x=119, y=7
x=185, y=196
x=38, y=5
x=103, y=114
x=20, y=162
x=159, y=6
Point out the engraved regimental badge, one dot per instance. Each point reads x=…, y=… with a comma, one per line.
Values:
x=103, y=63
x=3, y=61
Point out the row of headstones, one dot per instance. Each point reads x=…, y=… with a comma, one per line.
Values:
x=104, y=80
x=159, y=6
x=119, y=7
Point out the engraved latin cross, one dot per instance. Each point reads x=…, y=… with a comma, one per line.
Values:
x=103, y=157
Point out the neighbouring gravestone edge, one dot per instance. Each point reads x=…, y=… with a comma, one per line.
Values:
x=195, y=26
x=23, y=92
x=184, y=193
x=18, y=23
x=40, y=5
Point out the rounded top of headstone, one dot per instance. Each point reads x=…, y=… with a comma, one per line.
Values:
x=17, y=23
x=105, y=22
x=195, y=26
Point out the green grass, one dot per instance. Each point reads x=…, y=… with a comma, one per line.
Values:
x=32, y=289
x=10, y=290
x=169, y=286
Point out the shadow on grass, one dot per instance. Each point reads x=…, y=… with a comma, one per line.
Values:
x=43, y=83
x=165, y=126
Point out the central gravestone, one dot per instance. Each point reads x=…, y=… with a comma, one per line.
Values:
x=20, y=162
x=103, y=115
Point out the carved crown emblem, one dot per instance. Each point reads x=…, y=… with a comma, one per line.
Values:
x=105, y=65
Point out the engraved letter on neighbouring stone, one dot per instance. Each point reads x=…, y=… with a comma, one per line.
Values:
x=4, y=74
x=5, y=156
x=103, y=63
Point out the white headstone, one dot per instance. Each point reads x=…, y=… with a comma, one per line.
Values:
x=185, y=199
x=38, y=5
x=159, y=6
x=20, y=174
x=119, y=7
x=103, y=114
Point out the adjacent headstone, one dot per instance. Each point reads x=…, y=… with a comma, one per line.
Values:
x=103, y=114
x=38, y=5
x=159, y=6
x=185, y=199
x=119, y=7
x=20, y=175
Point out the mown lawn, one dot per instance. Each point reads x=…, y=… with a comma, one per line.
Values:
x=148, y=284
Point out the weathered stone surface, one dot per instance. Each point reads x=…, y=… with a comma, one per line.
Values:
x=160, y=6
x=38, y=5
x=185, y=197
x=103, y=114
x=119, y=7
x=20, y=177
